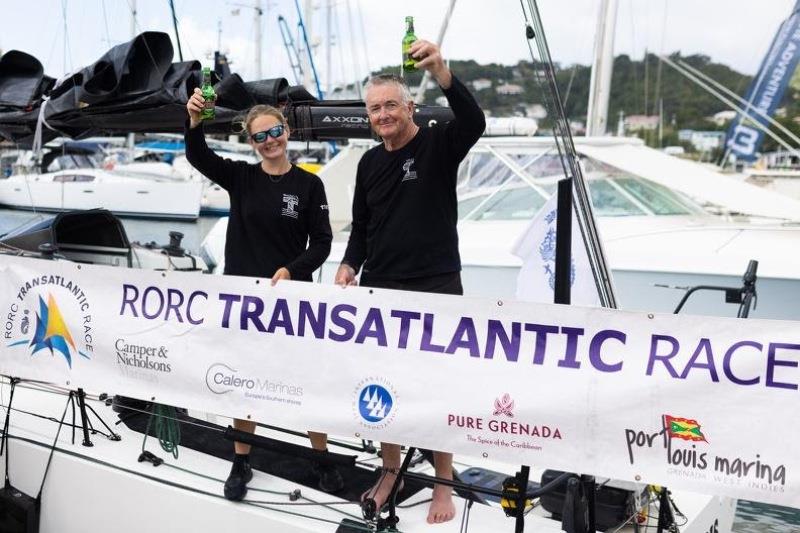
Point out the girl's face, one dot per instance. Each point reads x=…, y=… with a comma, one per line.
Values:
x=271, y=148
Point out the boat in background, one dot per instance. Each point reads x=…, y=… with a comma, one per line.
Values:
x=125, y=193
x=666, y=224
x=97, y=237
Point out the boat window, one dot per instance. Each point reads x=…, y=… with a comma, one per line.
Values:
x=73, y=161
x=548, y=165
x=463, y=171
x=657, y=198
x=520, y=203
x=84, y=178
x=487, y=171
x=63, y=178
x=608, y=202
x=466, y=205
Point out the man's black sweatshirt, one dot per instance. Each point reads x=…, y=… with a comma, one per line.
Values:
x=405, y=208
x=272, y=219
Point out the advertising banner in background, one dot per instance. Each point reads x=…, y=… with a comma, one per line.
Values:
x=692, y=403
x=766, y=90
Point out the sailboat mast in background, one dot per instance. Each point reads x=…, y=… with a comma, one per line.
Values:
x=602, y=68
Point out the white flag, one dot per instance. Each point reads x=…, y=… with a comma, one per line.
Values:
x=537, y=249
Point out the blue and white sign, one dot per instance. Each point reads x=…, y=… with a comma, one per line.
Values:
x=766, y=91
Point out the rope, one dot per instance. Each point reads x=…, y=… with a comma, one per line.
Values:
x=465, y=516
x=166, y=428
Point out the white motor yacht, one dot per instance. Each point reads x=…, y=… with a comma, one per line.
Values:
x=666, y=224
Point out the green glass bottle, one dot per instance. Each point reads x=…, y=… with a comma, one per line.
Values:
x=409, y=64
x=209, y=95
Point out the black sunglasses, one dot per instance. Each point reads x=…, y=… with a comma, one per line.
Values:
x=274, y=132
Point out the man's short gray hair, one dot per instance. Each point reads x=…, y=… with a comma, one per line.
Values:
x=390, y=79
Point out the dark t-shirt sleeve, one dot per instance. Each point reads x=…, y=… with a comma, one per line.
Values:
x=466, y=128
x=319, y=234
x=356, y=251
x=200, y=156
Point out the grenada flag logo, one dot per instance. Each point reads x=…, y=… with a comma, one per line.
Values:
x=52, y=332
x=683, y=428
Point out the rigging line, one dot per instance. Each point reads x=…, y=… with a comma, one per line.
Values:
x=569, y=84
x=585, y=212
x=700, y=74
x=660, y=62
x=175, y=419
x=340, y=48
x=166, y=482
x=147, y=46
x=344, y=513
x=187, y=43
x=743, y=113
x=67, y=52
x=53, y=49
x=354, y=49
x=364, y=45
x=212, y=478
x=186, y=470
x=633, y=62
x=267, y=491
x=52, y=419
x=308, y=503
x=105, y=22
x=309, y=517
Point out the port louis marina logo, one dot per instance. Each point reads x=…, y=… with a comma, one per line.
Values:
x=502, y=429
x=224, y=379
x=50, y=315
x=686, y=448
x=374, y=403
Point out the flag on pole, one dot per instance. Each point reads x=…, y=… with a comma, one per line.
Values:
x=537, y=249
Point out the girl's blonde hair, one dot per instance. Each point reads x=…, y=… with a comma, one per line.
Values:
x=258, y=111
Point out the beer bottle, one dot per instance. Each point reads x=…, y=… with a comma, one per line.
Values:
x=209, y=95
x=409, y=64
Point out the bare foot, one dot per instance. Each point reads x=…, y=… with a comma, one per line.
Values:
x=381, y=490
x=442, y=508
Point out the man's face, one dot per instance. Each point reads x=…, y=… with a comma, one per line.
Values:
x=389, y=117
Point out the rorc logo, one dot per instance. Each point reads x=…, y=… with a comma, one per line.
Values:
x=50, y=314
x=375, y=403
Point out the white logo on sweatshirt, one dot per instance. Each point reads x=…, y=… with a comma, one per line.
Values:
x=291, y=202
x=409, y=174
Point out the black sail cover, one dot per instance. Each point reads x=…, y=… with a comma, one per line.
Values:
x=135, y=87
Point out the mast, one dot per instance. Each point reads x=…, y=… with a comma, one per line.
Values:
x=356, y=66
x=602, y=68
x=175, y=25
x=258, y=13
x=308, y=33
x=439, y=39
x=131, y=137
x=328, y=39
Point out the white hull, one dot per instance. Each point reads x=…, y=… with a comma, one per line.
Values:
x=89, y=488
x=123, y=196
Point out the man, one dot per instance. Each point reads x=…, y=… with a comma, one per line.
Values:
x=405, y=213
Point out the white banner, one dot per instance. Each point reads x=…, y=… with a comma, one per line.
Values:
x=578, y=389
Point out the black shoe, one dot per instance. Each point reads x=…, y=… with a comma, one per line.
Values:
x=330, y=480
x=236, y=484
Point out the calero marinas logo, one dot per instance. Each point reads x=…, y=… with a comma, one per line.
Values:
x=683, y=428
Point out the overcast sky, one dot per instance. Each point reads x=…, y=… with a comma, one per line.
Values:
x=735, y=32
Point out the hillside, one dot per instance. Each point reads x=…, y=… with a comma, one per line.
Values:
x=635, y=89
